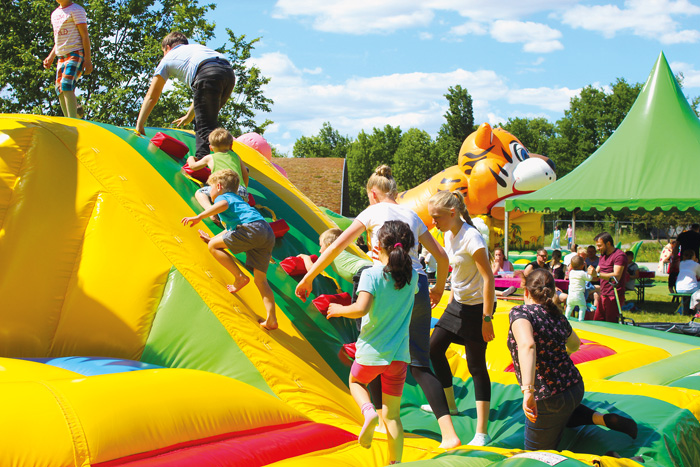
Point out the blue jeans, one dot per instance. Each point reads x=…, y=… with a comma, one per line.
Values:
x=212, y=87
x=552, y=415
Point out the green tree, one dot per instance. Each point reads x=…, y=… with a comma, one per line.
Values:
x=125, y=37
x=534, y=133
x=590, y=120
x=328, y=143
x=459, y=123
x=366, y=153
x=413, y=162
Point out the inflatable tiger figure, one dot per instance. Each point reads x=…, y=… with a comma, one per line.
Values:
x=493, y=165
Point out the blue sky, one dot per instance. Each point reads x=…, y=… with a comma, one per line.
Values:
x=361, y=64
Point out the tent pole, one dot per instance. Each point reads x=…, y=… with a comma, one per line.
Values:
x=573, y=227
x=505, y=234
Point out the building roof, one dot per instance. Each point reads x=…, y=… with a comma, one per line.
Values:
x=320, y=179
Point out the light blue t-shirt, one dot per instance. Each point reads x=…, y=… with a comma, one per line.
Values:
x=384, y=335
x=238, y=212
x=183, y=60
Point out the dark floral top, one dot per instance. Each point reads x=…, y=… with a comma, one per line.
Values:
x=554, y=370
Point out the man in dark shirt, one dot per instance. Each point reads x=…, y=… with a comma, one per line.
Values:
x=688, y=240
x=540, y=262
x=612, y=270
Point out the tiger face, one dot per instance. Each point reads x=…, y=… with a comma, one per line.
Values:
x=493, y=165
x=497, y=166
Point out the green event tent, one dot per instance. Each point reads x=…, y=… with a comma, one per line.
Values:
x=651, y=161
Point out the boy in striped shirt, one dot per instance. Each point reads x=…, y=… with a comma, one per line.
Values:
x=72, y=46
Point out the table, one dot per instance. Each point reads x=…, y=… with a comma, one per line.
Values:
x=643, y=281
x=505, y=282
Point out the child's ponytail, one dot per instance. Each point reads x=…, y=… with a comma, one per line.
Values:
x=397, y=239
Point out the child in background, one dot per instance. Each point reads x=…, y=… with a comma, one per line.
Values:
x=688, y=272
x=246, y=231
x=385, y=302
x=632, y=271
x=347, y=265
x=220, y=143
x=72, y=46
x=577, y=287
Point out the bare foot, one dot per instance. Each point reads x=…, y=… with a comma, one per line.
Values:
x=268, y=324
x=204, y=236
x=450, y=443
x=238, y=285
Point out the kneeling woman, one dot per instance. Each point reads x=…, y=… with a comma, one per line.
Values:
x=540, y=340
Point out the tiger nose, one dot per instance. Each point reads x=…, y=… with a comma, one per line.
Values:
x=532, y=174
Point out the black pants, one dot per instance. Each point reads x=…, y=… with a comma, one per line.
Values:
x=212, y=87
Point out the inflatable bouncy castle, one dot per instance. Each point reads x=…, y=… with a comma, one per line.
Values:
x=122, y=347
x=493, y=165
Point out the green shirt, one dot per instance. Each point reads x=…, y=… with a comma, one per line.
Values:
x=227, y=160
x=346, y=265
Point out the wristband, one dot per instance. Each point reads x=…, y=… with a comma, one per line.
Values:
x=527, y=387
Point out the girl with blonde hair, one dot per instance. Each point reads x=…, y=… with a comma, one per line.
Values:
x=382, y=192
x=467, y=317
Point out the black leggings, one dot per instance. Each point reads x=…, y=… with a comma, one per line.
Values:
x=476, y=361
x=427, y=381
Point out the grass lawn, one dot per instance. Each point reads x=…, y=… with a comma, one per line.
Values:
x=657, y=306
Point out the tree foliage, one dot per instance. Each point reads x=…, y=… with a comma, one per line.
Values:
x=366, y=153
x=459, y=123
x=591, y=119
x=125, y=37
x=328, y=143
x=412, y=160
x=535, y=133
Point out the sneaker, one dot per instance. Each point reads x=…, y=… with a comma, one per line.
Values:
x=480, y=439
x=427, y=408
x=508, y=291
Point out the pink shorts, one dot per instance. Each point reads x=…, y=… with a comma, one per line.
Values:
x=393, y=376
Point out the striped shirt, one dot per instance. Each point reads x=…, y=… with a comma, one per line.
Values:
x=65, y=30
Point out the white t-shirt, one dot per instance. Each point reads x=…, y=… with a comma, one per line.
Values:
x=376, y=215
x=467, y=283
x=688, y=270
x=567, y=258
x=577, y=283
x=65, y=30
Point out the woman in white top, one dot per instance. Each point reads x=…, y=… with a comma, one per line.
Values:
x=688, y=273
x=467, y=318
x=382, y=192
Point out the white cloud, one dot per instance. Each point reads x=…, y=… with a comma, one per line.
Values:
x=358, y=16
x=425, y=36
x=650, y=19
x=316, y=71
x=691, y=76
x=370, y=16
x=302, y=104
x=470, y=27
x=536, y=37
x=554, y=99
